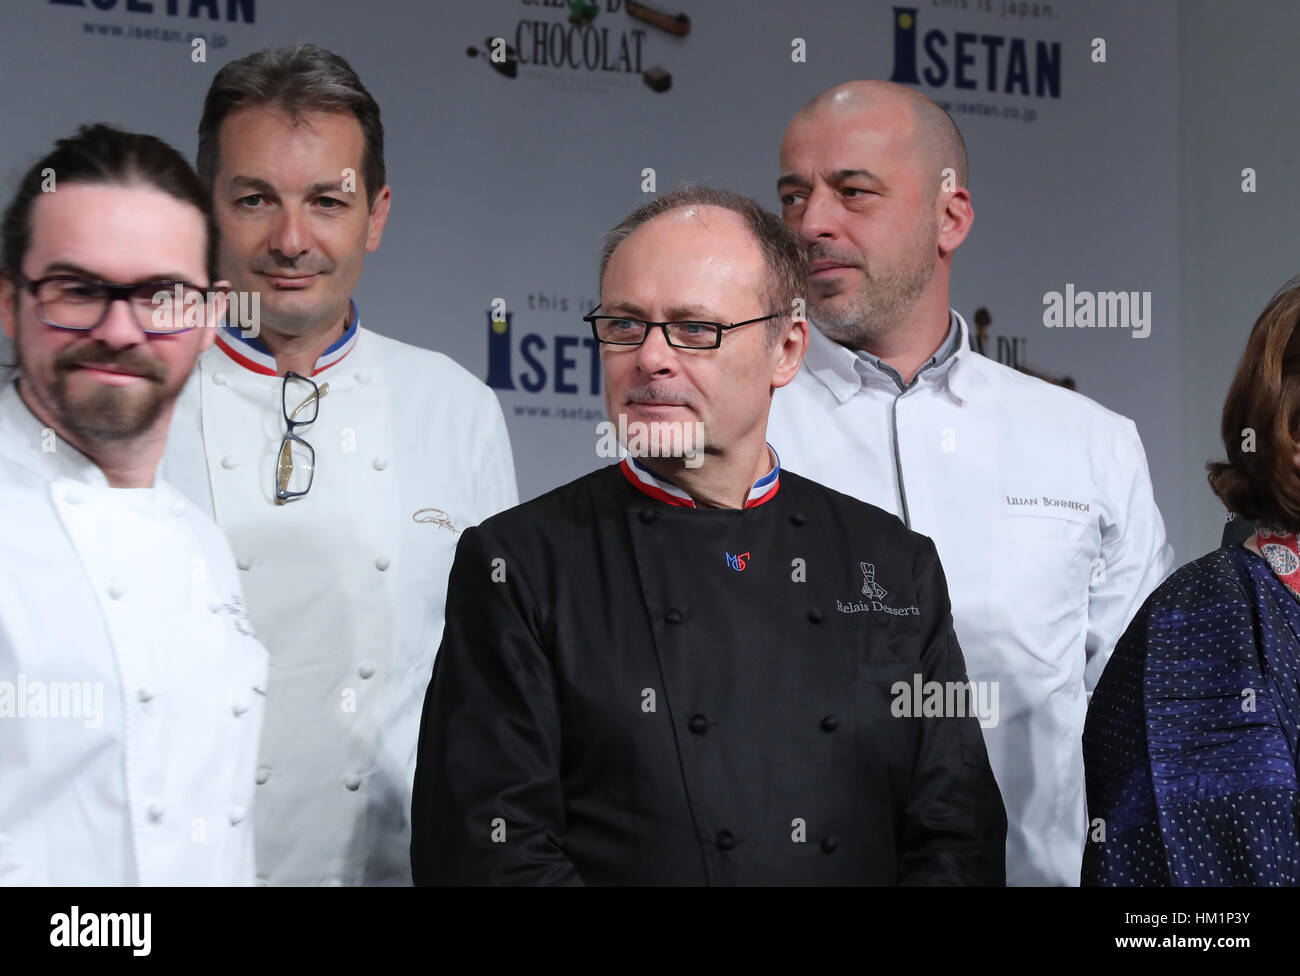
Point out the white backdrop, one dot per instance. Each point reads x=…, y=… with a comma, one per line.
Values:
x=503, y=186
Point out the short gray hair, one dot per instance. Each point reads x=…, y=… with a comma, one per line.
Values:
x=299, y=79
x=784, y=253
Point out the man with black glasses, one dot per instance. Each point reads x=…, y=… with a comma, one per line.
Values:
x=342, y=464
x=131, y=685
x=693, y=667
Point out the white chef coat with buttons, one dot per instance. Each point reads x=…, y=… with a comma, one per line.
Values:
x=131, y=684
x=1040, y=504
x=347, y=584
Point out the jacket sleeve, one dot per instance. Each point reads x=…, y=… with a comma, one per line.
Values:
x=954, y=825
x=494, y=475
x=1191, y=778
x=487, y=804
x=1135, y=556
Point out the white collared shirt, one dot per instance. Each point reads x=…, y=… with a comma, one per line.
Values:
x=131, y=685
x=347, y=584
x=1040, y=504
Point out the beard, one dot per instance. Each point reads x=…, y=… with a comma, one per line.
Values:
x=104, y=414
x=879, y=306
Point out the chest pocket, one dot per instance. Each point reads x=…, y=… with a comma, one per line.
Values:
x=885, y=649
x=1041, y=560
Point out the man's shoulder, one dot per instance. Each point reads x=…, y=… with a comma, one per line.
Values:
x=838, y=512
x=1020, y=391
x=562, y=510
x=404, y=357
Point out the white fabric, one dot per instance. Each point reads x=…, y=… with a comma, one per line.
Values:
x=347, y=584
x=122, y=621
x=1040, y=592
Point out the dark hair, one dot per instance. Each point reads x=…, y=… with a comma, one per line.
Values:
x=783, y=252
x=1263, y=405
x=297, y=80
x=103, y=154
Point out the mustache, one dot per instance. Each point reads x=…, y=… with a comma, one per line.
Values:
x=129, y=360
x=286, y=268
x=823, y=253
x=642, y=394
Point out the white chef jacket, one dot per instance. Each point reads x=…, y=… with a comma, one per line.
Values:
x=1040, y=504
x=347, y=584
x=131, y=685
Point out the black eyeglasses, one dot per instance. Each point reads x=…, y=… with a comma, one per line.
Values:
x=296, y=468
x=620, y=330
x=78, y=304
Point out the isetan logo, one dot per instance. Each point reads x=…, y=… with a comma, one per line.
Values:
x=974, y=62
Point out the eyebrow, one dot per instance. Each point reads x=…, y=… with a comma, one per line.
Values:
x=839, y=176
x=678, y=313
x=262, y=186
x=56, y=267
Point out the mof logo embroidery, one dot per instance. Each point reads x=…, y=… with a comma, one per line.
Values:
x=737, y=562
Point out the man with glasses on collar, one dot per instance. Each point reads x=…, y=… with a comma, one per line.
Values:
x=342, y=464
x=131, y=685
x=685, y=668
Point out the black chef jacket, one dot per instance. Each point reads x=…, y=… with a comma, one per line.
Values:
x=633, y=692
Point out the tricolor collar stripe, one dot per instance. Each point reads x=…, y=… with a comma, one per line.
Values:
x=763, y=490
x=651, y=485
x=253, y=354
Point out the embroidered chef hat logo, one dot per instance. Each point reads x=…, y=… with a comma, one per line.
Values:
x=869, y=585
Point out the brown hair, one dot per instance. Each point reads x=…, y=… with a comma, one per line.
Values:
x=784, y=254
x=300, y=79
x=1260, y=480
x=100, y=153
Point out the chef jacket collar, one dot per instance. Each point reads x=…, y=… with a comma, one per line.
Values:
x=253, y=355
x=844, y=372
x=24, y=438
x=645, y=480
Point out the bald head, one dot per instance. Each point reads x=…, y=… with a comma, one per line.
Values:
x=931, y=137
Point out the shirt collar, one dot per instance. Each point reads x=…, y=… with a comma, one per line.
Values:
x=867, y=360
x=845, y=372
x=645, y=480
x=253, y=355
x=27, y=440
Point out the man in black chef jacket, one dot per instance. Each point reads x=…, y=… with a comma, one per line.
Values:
x=699, y=668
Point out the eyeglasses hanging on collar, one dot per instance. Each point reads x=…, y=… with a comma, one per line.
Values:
x=296, y=468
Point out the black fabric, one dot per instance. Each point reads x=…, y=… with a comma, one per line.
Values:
x=627, y=705
x=1236, y=530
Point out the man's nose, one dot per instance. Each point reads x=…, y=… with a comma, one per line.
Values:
x=820, y=216
x=655, y=355
x=121, y=326
x=290, y=237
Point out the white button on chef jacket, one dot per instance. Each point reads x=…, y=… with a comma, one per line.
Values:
x=347, y=584
x=1040, y=504
x=120, y=758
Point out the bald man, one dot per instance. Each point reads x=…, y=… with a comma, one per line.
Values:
x=1038, y=499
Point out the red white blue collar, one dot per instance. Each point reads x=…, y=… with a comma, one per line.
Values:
x=645, y=480
x=253, y=354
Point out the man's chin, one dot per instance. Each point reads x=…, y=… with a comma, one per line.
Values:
x=111, y=415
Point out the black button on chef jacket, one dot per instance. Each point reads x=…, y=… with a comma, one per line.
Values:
x=633, y=691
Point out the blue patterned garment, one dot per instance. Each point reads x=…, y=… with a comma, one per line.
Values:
x=1190, y=742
